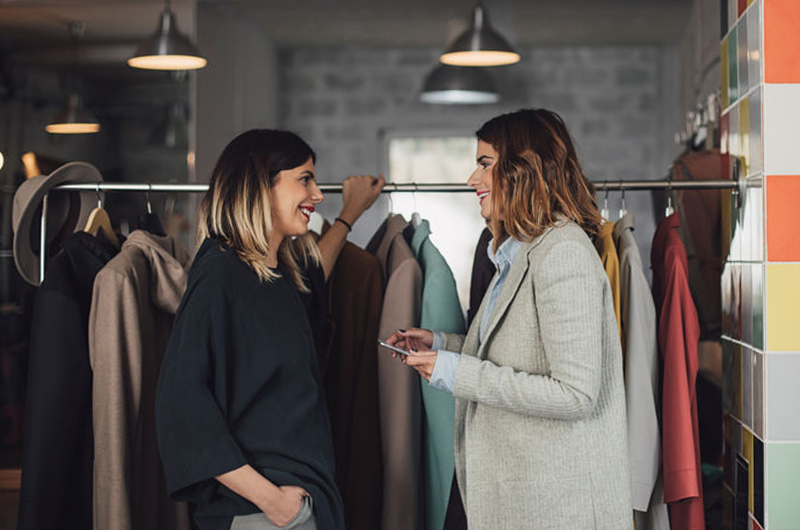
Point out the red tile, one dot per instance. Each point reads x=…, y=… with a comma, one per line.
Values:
x=742, y=7
x=781, y=45
x=783, y=217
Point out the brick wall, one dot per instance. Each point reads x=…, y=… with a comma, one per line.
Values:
x=618, y=102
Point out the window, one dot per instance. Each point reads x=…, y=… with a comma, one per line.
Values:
x=454, y=218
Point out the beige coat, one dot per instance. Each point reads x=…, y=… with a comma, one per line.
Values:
x=398, y=387
x=134, y=300
x=540, y=434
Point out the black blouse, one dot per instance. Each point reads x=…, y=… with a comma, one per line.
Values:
x=240, y=385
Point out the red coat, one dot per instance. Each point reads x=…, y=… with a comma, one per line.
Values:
x=678, y=334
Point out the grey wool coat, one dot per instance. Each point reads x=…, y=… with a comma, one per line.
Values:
x=540, y=432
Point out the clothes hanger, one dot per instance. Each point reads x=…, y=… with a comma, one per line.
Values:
x=604, y=213
x=416, y=218
x=669, y=210
x=622, y=209
x=150, y=221
x=100, y=221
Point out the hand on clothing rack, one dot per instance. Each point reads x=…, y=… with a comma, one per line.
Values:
x=358, y=194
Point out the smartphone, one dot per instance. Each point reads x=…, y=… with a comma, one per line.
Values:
x=393, y=348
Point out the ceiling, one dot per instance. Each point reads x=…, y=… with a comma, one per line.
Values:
x=27, y=25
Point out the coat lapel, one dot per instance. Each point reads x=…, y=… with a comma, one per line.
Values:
x=512, y=284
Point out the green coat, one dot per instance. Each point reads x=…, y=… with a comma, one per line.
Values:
x=441, y=311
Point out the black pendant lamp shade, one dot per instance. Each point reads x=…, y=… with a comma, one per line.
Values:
x=167, y=48
x=454, y=85
x=74, y=119
x=480, y=45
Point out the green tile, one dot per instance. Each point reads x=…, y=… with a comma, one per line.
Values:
x=783, y=486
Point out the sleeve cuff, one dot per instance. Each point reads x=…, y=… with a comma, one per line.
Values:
x=444, y=371
x=438, y=341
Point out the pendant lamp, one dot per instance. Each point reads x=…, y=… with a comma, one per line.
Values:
x=480, y=45
x=167, y=48
x=74, y=119
x=455, y=85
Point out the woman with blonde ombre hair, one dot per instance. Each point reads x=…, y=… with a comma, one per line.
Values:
x=540, y=429
x=243, y=429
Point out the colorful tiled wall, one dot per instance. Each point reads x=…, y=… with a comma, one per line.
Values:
x=760, y=59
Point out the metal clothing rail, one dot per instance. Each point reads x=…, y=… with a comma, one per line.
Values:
x=388, y=188
x=408, y=188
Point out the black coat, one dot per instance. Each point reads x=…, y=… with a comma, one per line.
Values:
x=56, y=488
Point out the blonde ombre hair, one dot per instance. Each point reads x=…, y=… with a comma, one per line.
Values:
x=236, y=209
x=537, y=175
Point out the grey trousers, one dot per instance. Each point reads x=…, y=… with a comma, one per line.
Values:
x=304, y=520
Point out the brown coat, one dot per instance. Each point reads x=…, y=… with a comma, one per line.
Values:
x=134, y=300
x=350, y=376
x=398, y=386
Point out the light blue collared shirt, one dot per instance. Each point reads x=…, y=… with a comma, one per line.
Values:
x=444, y=371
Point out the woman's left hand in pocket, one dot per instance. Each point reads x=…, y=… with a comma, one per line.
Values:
x=423, y=362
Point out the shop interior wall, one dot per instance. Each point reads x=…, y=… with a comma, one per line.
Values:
x=619, y=103
x=698, y=57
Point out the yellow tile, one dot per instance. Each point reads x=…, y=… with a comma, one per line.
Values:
x=747, y=452
x=783, y=306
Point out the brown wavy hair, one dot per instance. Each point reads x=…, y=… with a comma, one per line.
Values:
x=537, y=177
x=236, y=209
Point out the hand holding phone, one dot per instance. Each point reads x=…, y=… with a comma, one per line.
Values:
x=393, y=348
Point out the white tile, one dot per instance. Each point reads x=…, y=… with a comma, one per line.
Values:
x=756, y=157
x=758, y=394
x=783, y=396
x=754, y=52
x=741, y=55
x=747, y=387
x=781, y=129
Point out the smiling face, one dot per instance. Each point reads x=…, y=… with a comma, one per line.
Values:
x=481, y=179
x=292, y=200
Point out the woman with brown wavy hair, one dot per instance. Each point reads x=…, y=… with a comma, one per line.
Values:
x=243, y=430
x=540, y=432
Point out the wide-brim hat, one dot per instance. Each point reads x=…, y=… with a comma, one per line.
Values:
x=67, y=212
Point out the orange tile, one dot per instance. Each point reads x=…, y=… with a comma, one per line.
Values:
x=783, y=217
x=781, y=45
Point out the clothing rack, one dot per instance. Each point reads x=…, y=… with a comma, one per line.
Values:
x=618, y=185
x=621, y=185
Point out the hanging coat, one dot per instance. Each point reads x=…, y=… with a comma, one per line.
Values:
x=701, y=230
x=483, y=271
x=398, y=386
x=134, y=301
x=604, y=243
x=441, y=310
x=350, y=377
x=57, y=461
x=678, y=334
x=641, y=382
